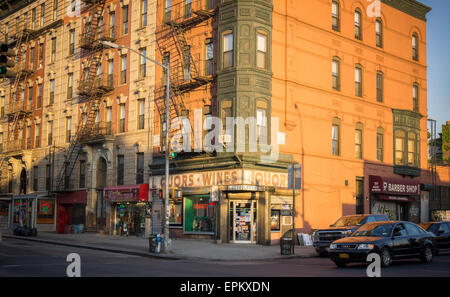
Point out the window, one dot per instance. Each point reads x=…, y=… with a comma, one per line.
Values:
x=412, y=149
x=30, y=97
x=32, y=58
x=415, y=47
x=120, y=169
x=1, y=142
x=110, y=81
x=144, y=6
x=35, y=178
x=358, y=33
x=379, y=86
x=175, y=212
x=123, y=69
x=41, y=20
x=336, y=73
x=168, y=11
x=125, y=20
x=210, y=4
x=55, y=9
x=122, y=118
x=17, y=24
x=380, y=144
x=82, y=174
x=335, y=17
x=416, y=97
x=209, y=57
x=25, y=20
x=108, y=120
x=275, y=221
x=70, y=86
x=261, y=51
x=48, y=177
x=50, y=133
x=53, y=55
x=358, y=80
x=335, y=135
x=199, y=214
x=399, y=147
x=412, y=230
x=72, y=42
x=2, y=111
x=358, y=141
x=188, y=9
x=37, y=135
x=261, y=126
x=33, y=18
x=379, y=32
x=141, y=115
x=139, y=168
x=112, y=23
x=51, y=98
x=228, y=50
x=68, y=129
x=143, y=63
x=187, y=63
x=39, y=96
x=28, y=137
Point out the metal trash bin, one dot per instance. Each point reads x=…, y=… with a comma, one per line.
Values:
x=287, y=243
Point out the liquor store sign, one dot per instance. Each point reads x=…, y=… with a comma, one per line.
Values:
x=391, y=186
x=223, y=178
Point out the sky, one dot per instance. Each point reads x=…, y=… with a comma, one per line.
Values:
x=438, y=59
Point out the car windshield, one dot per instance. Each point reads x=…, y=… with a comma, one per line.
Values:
x=374, y=230
x=349, y=221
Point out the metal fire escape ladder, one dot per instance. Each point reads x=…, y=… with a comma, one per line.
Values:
x=89, y=91
x=17, y=114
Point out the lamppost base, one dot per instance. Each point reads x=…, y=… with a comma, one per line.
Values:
x=166, y=245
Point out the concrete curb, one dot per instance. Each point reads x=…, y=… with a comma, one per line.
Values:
x=151, y=255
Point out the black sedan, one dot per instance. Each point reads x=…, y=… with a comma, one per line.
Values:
x=391, y=240
x=442, y=232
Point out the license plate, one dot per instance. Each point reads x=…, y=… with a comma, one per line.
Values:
x=343, y=256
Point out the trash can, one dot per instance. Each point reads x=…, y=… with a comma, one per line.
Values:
x=287, y=243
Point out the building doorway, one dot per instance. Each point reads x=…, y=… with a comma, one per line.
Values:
x=243, y=221
x=100, y=185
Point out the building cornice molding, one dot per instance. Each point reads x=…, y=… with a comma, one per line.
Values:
x=411, y=7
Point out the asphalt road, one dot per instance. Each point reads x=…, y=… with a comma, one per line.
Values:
x=20, y=258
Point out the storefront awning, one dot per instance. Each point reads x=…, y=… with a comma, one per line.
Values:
x=126, y=193
x=396, y=198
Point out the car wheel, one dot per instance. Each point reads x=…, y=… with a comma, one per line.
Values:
x=340, y=264
x=427, y=254
x=386, y=257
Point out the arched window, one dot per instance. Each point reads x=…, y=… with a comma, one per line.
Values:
x=336, y=73
x=415, y=47
x=358, y=24
x=335, y=16
x=379, y=32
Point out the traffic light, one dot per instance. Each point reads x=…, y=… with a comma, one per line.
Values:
x=6, y=63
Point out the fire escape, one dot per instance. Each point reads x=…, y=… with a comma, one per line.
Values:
x=92, y=87
x=17, y=110
x=184, y=69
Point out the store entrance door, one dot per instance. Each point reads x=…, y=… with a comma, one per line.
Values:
x=243, y=221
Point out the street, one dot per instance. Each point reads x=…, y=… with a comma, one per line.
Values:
x=19, y=258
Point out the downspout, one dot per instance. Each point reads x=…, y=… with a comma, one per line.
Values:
x=285, y=63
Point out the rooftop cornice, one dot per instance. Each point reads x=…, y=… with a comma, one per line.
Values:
x=411, y=7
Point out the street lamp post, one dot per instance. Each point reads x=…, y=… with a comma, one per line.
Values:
x=166, y=242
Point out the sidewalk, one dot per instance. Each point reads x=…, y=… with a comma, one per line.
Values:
x=206, y=250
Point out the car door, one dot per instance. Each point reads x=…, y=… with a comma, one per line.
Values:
x=443, y=238
x=414, y=238
x=400, y=245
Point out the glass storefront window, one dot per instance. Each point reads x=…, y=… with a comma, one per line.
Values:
x=199, y=214
x=275, y=220
x=176, y=212
x=46, y=212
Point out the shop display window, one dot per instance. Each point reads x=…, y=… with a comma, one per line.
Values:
x=46, y=212
x=199, y=214
x=275, y=220
x=176, y=212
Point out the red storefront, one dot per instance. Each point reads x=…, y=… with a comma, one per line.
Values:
x=128, y=209
x=398, y=198
x=71, y=210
